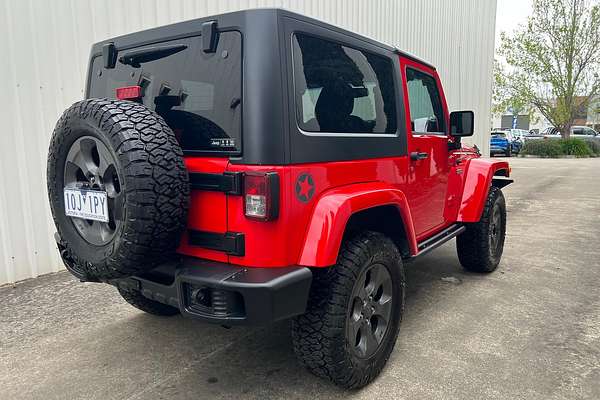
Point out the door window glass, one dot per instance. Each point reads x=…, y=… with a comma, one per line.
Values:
x=425, y=103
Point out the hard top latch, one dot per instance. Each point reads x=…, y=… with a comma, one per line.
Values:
x=210, y=36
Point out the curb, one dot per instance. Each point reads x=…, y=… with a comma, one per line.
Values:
x=561, y=156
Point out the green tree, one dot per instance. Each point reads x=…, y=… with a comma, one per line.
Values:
x=553, y=61
x=503, y=98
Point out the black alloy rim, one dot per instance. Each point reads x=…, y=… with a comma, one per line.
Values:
x=495, y=233
x=370, y=310
x=90, y=165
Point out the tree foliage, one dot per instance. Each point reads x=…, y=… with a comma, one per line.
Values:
x=553, y=61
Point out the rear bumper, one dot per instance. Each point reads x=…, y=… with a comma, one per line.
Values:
x=226, y=294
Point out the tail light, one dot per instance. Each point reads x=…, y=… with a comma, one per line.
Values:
x=261, y=195
x=129, y=92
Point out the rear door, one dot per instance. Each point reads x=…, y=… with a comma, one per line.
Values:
x=198, y=94
x=427, y=146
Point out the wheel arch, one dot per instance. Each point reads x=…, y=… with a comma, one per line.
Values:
x=481, y=174
x=365, y=206
x=385, y=219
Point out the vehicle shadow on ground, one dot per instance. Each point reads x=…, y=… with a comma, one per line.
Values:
x=215, y=362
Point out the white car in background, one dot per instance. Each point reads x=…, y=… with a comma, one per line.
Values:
x=576, y=131
x=520, y=134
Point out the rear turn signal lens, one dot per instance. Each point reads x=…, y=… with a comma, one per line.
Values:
x=129, y=92
x=261, y=195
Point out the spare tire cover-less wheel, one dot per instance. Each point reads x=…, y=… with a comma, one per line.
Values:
x=125, y=154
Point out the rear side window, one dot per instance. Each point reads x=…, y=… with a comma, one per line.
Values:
x=426, y=115
x=197, y=93
x=339, y=89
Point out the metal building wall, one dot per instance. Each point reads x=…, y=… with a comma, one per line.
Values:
x=45, y=47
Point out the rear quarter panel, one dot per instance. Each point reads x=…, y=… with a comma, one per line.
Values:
x=281, y=242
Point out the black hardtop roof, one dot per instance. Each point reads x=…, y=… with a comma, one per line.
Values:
x=232, y=19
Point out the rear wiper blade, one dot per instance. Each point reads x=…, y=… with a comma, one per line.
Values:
x=137, y=57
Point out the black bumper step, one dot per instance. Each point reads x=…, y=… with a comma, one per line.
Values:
x=227, y=294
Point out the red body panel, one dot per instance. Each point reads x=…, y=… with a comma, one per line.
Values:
x=335, y=208
x=208, y=210
x=430, y=195
x=427, y=191
x=282, y=242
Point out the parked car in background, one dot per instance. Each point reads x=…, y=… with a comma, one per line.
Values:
x=519, y=134
x=583, y=131
x=576, y=131
x=550, y=132
x=533, y=136
x=505, y=142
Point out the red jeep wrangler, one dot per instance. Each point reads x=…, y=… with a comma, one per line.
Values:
x=262, y=165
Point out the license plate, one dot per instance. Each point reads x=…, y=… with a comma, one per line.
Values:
x=86, y=204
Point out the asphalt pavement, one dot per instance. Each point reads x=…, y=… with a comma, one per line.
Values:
x=531, y=330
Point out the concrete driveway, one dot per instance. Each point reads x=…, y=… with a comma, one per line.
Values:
x=531, y=330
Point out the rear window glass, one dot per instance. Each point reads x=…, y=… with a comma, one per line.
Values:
x=198, y=93
x=340, y=89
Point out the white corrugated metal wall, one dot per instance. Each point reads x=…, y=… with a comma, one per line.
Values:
x=45, y=47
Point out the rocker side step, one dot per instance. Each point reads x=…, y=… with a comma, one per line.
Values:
x=438, y=239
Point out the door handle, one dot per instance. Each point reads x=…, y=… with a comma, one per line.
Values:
x=415, y=155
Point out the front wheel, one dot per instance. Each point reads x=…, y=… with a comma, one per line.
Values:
x=353, y=313
x=480, y=247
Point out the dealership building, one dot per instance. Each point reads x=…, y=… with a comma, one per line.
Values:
x=46, y=46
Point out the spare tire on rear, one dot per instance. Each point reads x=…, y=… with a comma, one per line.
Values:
x=126, y=150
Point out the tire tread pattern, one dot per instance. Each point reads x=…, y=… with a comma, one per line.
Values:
x=472, y=245
x=155, y=183
x=319, y=335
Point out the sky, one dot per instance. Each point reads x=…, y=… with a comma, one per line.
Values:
x=509, y=14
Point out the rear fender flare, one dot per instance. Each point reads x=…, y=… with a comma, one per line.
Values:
x=332, y=212
x=480, y=175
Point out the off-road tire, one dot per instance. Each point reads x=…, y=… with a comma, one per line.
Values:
x=473, y=246
x=152, y=178
x=136, y=299
x=320, y=337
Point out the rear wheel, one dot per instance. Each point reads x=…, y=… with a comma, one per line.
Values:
x=480, y=247
x=354, y=313
x=136, y=299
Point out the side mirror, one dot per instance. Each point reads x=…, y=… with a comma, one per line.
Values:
x=462, y=123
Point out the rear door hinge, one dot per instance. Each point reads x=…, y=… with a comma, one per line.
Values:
x=227, y=182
